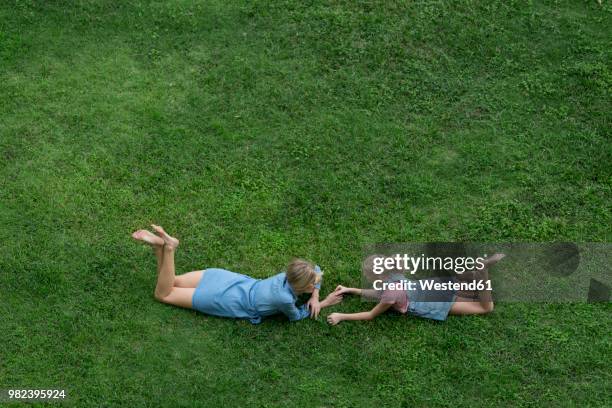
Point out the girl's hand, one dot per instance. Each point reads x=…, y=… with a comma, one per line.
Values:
x=340, y=290
x=334, y=319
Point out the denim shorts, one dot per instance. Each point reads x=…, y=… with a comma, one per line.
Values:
x=430, y=304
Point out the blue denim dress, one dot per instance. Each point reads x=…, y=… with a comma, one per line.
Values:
x=229, y=294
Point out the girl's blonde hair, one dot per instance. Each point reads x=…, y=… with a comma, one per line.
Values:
x=301, y=274
x=367, y=268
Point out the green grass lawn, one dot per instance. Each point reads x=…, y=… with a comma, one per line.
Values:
x=256, y=131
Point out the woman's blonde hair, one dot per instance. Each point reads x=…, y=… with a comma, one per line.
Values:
x=301, y=274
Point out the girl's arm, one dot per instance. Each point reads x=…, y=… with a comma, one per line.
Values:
x=336, y=318
x=367, y=293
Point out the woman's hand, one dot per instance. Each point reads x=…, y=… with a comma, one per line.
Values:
x=334, y=319
x=314, y=306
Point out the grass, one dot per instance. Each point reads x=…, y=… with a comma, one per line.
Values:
x=257, y=131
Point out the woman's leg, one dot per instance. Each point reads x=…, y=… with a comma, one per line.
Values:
x=158, y=250
x=155, y=242
x=165, y=270
x=188, y=280
x=181, y=297
x=165, y=291
x=165, y=279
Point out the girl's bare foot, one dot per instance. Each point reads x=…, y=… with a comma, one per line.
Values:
x=483, y=273
x=475, y=274
x=493, y=259
x=148, y=238
x=171, y=242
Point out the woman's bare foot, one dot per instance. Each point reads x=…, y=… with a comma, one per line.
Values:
x=171, y=242
x=148, y=238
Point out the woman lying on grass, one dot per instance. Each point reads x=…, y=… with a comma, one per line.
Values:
x=219, y=292
x=436, y=305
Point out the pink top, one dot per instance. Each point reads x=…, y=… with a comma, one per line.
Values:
x=398, y=299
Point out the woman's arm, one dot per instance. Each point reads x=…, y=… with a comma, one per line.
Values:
x=313, y=304
x=336, y=318
x=293, y=312
x=332, y=299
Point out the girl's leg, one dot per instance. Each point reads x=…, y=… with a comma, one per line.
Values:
x=467, y=306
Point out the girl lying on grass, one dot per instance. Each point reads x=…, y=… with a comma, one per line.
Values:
x=436, y=305
x=219, y=292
